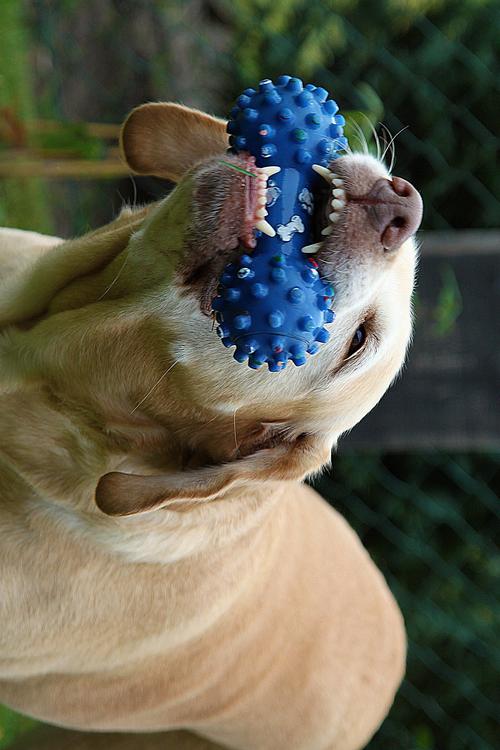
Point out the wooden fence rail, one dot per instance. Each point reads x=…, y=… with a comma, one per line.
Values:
x=449, y=394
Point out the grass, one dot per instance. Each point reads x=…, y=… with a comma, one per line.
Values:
x=24, y=202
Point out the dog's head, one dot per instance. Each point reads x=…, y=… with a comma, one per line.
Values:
x=287, y=422
x=167, y=373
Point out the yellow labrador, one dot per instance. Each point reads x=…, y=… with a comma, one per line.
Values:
x=162, y=565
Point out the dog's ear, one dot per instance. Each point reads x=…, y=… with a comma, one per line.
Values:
x=120, y=494
x=167, y=139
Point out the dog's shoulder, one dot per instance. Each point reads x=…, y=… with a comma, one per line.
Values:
x=19, y=248
x=35, y=267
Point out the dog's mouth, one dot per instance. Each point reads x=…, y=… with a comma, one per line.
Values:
x=329, y=203
x=329, y=206
x=390, y=209
x=255, y=199
x=362, y=217
x=359, y=213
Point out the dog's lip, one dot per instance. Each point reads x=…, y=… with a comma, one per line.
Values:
x=254, y=182
x=247, y=236
x=332, y=212
x=338, y=196
x=249, y=189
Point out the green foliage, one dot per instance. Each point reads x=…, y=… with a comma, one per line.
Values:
x=433, y=63
x=23, y=203
x=449, y=304
x=14, y=81
x=12, y=725
x=72, y=139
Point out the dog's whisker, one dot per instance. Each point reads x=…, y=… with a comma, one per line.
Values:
x=234, y=429
x=386, y=135
x=155, y=385
x=114, y=280
x=375, y=136
x=134, y=202
x=391, y=144
x=393, y=157
x=360, y=136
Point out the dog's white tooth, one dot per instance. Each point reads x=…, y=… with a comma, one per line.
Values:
x=264, y=226
x=326, y=231
x=261, y=200
x=323, y=171
x=269, y=171
x=311, y=248
x=339, y=193
x=337, y=181
x=338, y=204
x=333, y=217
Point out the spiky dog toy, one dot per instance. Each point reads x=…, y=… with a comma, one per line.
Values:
x=272, y=304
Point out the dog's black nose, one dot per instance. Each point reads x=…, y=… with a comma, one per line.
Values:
x=396, y=211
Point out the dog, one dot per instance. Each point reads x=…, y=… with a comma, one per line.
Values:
x=163, y=565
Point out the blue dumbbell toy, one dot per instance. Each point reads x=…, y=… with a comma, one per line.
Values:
x=271, y=303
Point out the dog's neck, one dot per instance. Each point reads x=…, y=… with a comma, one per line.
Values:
x=96, y=389
x=57, y=481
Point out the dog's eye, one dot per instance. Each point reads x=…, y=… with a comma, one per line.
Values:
x=358, y=340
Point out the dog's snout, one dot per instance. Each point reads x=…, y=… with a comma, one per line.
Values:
x=395, y=210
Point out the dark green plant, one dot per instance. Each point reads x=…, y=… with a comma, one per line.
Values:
x=434, y=64
x=449, y=304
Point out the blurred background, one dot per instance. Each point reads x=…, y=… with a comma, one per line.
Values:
x=418, y=478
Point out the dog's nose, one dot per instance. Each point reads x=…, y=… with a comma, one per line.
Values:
x=396, y=211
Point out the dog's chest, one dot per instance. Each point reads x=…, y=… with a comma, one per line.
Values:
x=78, y=626
x=68, y=607
x=65, y=614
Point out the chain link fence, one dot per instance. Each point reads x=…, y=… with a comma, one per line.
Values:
x=428, y=71
x=428, y=521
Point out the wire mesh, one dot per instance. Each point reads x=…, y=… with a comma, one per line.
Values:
x=429, y=521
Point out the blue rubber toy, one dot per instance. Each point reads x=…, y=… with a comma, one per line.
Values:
x=271, y=303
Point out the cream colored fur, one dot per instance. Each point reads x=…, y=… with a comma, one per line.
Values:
x=216, y=593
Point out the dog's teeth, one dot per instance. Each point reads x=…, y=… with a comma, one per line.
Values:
x=339, y=193
x=269, y=171
x=261, y=212
x=261, y=200
x=323, y=171
x=337, y=205
x=326, y=231
x=337, y=181
x=264, y=226
x=333, y=217
x=311, y=248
